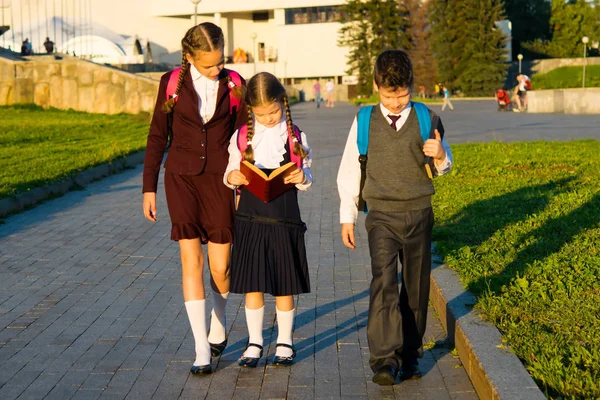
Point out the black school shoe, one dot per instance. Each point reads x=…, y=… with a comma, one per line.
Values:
x=284, y=361
x=385, y=376
x=201, y=369
x=250, y=362
x=410, y=370
x=216, y=349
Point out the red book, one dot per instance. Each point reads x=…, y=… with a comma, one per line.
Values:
x=266, y=187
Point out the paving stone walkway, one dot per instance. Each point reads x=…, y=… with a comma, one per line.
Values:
x=91, y=304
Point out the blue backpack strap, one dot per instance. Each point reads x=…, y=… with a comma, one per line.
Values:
x=424, y=119
x=363, y=120
x=364, y=124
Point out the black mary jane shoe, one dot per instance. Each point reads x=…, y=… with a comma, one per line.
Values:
x=250, y=362
x=201, y=369
x=216, y=349
x=284, y=361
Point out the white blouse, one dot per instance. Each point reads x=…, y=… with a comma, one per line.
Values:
x=269, y=150
x=207, y=91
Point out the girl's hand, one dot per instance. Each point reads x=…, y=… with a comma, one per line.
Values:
x=433, y=148
x=236, y=178
x=149, y=206
x=295, y=177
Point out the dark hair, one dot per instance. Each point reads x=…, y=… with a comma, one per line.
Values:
x=264, y=89
x=393, y=70
x=203, y=37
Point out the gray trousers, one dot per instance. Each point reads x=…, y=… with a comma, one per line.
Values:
x=397, y=319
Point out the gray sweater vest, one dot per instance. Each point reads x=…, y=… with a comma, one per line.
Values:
x=396, y=175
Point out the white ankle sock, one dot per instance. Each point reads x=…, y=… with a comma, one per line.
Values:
x=254, y=320
x=197, y=315
x=217, y=318
x=285, y=324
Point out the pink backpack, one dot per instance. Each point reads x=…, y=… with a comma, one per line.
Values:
x=242, y=142
x=235, y=80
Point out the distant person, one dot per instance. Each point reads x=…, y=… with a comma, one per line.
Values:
x=503, y=100
x=26, y=48
x=446, y=100
x=49, y=46
x=317, y=93
x=330, y=87
x=422, y=92
x=439, y=89
x=523, y=82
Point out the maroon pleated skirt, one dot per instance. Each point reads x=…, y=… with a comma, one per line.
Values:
x=200, y=206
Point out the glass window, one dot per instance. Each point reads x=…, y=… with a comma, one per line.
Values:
x=312, y=15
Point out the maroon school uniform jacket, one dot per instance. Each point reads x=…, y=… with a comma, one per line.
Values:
x=195, y=148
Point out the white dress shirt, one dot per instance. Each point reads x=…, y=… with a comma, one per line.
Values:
x=348, y=179
x=269, y=150
x=207, y=90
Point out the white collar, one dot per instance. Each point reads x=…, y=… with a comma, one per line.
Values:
x=404, y=113
x=269, y=143
x=197, y=76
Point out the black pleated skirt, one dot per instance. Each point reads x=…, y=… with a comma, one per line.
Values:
x=269, y=252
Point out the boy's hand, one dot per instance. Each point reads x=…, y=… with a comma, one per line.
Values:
x=348, y=235
x=149, y=206
x=433, y=148
x=236, y=178
x=295, y=177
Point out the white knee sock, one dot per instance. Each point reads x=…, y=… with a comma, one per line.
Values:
x=285, y=324
x=254, y=320
x=197, y=315
x=217, y=318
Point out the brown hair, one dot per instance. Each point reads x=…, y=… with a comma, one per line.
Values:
x=393, y=70
x=203, y=37
x=263, y=89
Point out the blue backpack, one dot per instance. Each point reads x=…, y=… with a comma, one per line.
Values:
x=362, y=141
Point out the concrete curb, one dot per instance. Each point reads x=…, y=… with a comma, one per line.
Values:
x=37, y=195
x=496, y=373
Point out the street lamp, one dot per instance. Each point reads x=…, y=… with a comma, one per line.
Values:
x=585, y=41
x=195, y=2
x=253, y=36
x=520, y=57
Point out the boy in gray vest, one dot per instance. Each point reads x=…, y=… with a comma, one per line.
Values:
x=398, y=191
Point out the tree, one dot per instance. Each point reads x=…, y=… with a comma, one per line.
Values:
x=371, y=26
x=530, y=21
x=468, y=46
x=424, y=64
x=570, y=22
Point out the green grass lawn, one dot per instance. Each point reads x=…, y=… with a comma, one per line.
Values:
x=41, y=146
x=520, y=223
x=567, y=77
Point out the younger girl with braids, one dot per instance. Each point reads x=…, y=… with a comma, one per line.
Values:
x=269, y=254
x=198, y=119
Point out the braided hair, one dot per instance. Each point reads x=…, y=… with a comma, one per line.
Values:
x=203, y=37
x=264, y=89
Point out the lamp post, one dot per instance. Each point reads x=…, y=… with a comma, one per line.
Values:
x=520, y=57
x=585, y=41
x=253, y=36
x=195, y=2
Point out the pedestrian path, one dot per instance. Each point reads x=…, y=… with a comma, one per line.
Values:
x=91, y=304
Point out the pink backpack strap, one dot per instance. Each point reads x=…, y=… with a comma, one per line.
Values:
x=242, y=139
x=294, y=157
x=172, y=84
x=235, y=80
